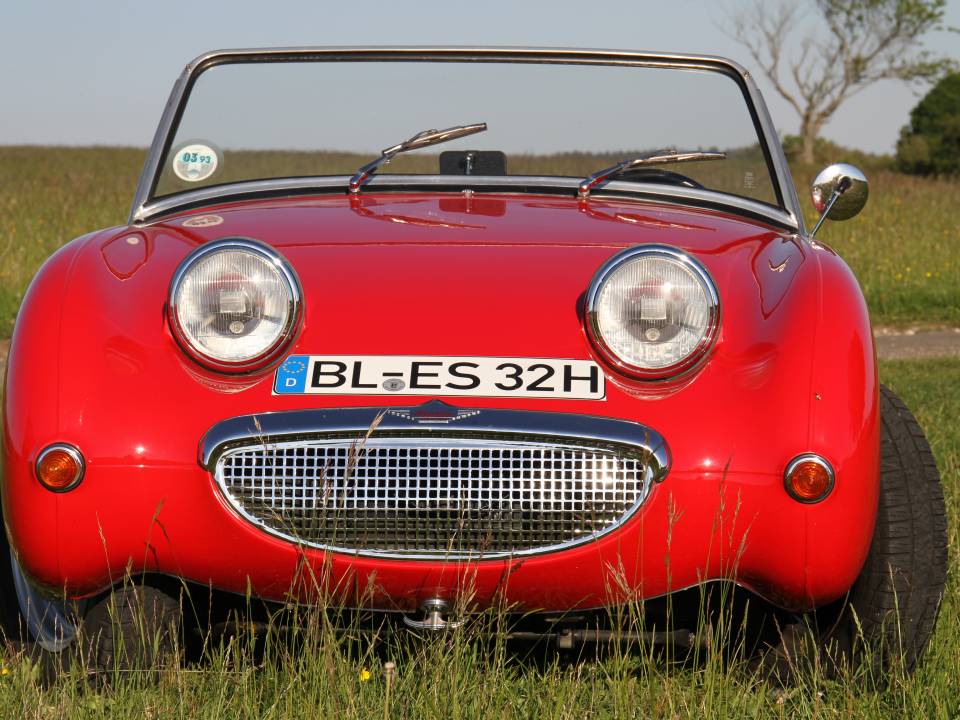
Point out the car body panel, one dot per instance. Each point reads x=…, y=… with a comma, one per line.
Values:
x=448, y=274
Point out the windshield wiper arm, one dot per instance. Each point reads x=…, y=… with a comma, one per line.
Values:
x=420, y=140
x=659, y=157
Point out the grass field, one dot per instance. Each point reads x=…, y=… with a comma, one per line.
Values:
x=904, y=247
x=462, y=677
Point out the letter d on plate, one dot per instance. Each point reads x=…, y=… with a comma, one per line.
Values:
x=292, y=375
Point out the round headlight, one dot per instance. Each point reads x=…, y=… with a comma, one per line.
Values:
x=653, y=312
x=234, y=305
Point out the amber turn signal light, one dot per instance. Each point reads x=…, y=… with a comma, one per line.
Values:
x=809, y=478
x=60, y=467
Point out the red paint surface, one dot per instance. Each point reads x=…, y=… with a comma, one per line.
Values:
x=93, y=363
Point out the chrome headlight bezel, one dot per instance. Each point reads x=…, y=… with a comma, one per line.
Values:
x=696, y=356
x=291, y=327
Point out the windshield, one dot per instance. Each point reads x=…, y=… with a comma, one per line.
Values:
x=248, y=121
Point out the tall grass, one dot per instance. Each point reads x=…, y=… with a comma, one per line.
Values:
x=334, y=666
x=904, y=247
x=48, y=196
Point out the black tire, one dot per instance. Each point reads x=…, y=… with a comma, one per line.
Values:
x=897, y=596
x=885, y=622
x=134, y=627
x=10, y=619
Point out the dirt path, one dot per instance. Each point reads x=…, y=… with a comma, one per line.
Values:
x=913, y=344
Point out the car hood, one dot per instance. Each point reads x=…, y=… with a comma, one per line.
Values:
x=450, y=274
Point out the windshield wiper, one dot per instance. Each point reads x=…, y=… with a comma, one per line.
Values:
x=658, y=157
x=420, y=140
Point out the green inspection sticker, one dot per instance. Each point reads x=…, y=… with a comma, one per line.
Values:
x=195, y=162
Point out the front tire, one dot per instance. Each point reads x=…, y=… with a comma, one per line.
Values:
x=897, y=596
x=134, y=627
x=885, y=622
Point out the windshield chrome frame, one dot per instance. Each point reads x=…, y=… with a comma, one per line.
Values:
x=146, y=207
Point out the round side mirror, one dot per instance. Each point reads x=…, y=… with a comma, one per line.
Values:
x=839, y=192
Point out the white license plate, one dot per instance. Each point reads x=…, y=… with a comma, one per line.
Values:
x=425, y=375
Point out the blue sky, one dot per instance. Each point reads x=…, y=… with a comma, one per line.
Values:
x=99, y=71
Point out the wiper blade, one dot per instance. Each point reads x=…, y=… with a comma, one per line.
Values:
x=420, y=140
x=659, y=157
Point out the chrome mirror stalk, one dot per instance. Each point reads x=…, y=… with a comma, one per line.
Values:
x=839, y=192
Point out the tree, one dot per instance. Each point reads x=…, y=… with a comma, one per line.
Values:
x=851, y=45
x=930, y=144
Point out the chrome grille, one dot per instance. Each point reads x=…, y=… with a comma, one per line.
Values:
x=434, y=497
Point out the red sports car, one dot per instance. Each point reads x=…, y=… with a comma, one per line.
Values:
x=587, y=357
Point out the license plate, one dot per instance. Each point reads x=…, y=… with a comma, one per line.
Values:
x=424, y=375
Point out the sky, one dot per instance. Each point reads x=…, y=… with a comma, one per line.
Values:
x=99, y=71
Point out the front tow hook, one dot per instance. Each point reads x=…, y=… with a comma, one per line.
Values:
x=434, y=616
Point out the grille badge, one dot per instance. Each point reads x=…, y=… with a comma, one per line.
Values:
x=434, y=412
